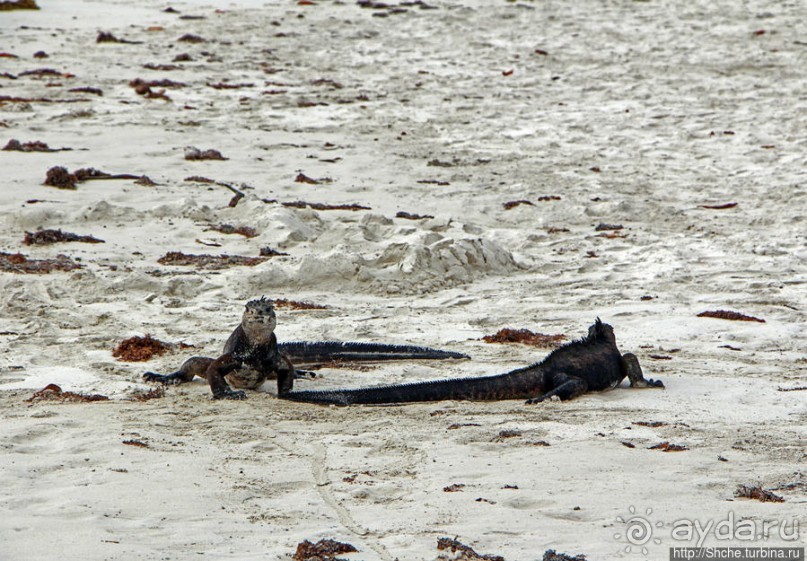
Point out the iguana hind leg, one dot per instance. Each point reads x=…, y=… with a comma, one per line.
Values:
x=632, y=369
x=565, y=387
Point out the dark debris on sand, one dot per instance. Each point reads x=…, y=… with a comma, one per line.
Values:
x=524, y=336
x=141, y=349
x=59, y=177
x=551, y=555
x=462, y=552
x=211, y=262
x=412, y=216
x=18, y=263
x=15, y=145
x=194, y=154
x=18, y=5
x=323, y=550
x=726, y=314
x=758, y=494
x=107, y=37
x=246, y=231
x=52, y=392
x=49, y=236
x=296, y=305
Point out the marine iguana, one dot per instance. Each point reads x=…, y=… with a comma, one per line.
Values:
x=252, y=355
x=590, y=364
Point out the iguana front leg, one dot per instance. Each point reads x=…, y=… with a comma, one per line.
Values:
x=215, y=374
x=565, y=387
x=631, y=368
x=194, y=366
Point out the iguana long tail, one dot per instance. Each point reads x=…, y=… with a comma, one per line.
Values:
x=518, y=384
x=311, y=352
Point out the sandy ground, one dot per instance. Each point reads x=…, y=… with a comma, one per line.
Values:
x=625, y=113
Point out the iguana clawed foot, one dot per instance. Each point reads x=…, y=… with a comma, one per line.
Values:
x=231, y=394
x=647, y=384
x=167, y=379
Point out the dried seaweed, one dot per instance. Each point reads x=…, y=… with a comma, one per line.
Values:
x=18, y=263
x=14, y=99
x=323, y=550
x=455, y=426
x=162, y=67
x=52, y=392
x=606, y=227
x=651, y=424
x=758, y=494
x=211, y=262
x=238, y=195
x=307, y=103
x=545, y=198
x=327, y=82
x=226, y=86
x=269, y=252
x=200, y=179
x=524, y=336
x=191, y=38
x=15, y=145
x=725, y=314
x=552, y=555
x=107, y=37
x=194, y=154
x=86, y=89
x=321, y=206
x=144, y=180
x=59, y=177
x=164, y=83
x=410, y=216
x=513, y=204
x=153, y=393
x=667, y=447
x=796, y=389
x=143, y=87
x=508, y=433
x=18, y=5
x=719, y=207
x=49, y=236
x=453, y=488
x=295, y=305
x=41, y=72
x=246, y=231
x=433, y=182
x=138, y=443
x=303, y=178
x=628, y=444
x=462, y=552
x=139, y=349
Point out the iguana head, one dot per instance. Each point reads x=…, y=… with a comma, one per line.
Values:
x=259, y=320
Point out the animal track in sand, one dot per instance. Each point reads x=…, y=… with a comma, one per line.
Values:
x=319, y=470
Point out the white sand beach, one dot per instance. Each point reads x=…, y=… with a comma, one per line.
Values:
x=638, y=161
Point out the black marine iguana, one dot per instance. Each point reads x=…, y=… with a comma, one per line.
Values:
x=590, y=364
x=252, y=355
